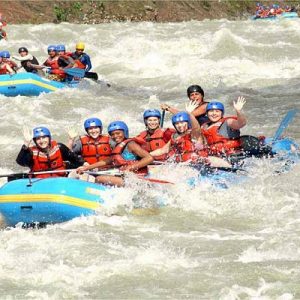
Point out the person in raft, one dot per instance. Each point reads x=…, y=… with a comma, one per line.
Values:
x=127, y=155
x=46, y=154
x=93, y=146
x=223, y=133
x=154, y=137
x=194, y=93
x=187, y=144
x=25, y=58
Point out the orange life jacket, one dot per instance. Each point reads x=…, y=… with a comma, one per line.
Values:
x=94, y=150
x=48, y=161
x=119, y=161
x=78, y=64
x=183, y=148
x=3, y=69
x=55, y=68
x=220, y=144
x=155, y=141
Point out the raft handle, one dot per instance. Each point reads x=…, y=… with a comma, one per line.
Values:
x=26, y=207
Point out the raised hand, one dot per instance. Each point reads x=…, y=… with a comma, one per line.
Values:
x=192, y=105
x=72, y=133
x=26, y=135
x=239, y=103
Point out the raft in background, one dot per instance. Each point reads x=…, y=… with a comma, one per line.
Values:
x=29, y=84
x=286, y=15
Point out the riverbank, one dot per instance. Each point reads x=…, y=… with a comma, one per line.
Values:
x=93, y=12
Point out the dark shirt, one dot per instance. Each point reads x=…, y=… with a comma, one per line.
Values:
x=34, y=61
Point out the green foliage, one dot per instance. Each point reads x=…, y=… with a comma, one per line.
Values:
x=61, y=13
x=206, y=4
x=77, y=6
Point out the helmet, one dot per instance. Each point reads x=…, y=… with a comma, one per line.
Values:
x=52, y=48
x=60, y=47
x=92, y=122
x=195, y=88
x=215, y=105
x=151, y=113
x=80, y=46
x=118, y=125
x=41, y=131
x=23, y=49
x=5, y=54
x=181, y=116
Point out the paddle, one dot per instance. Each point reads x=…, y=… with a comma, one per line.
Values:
x=118, y=173
x=76, y=72
x=91, y=75
x=94, y=76
x=162, y=118
x=27, y=174
x=284, y=124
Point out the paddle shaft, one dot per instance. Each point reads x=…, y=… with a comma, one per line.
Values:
x=284, y=123
x=162, y=118
x=37, y=173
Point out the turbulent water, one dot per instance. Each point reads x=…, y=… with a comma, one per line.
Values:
x=237, y=243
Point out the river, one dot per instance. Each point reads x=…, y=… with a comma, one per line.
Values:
x=206, y=243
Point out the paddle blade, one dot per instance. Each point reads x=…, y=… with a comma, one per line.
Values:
x=91, y=75
x=284, y=124
x=76, y=72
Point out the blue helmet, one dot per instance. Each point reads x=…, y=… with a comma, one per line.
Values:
x=5, y=54
x=41, y=131
x=181, y=116
x=118, y=125
x=151, y=113
x=215, y=105
x=52, y=48
x=92, y=122
x=60, y=47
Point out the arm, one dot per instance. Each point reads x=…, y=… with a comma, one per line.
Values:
x=24, y=157
x=163, y=150
x=200, y=110
x=87, y=63
x=167, y=107
x=99, y=164
x=68, y=155
x=146, y=158
x=21, y=58
x=241, y=118
x=9, y=69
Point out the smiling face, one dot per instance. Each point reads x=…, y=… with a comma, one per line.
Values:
x=152, y=123
x=94, y=132
x=43, y=142
x=214, y=115
x=181, y=127
x=196, y=96
x=118, y=136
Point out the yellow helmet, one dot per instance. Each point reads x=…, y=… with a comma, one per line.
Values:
x=80, y=46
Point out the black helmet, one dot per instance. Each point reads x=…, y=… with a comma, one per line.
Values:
x=194, y=88
x=23, y=49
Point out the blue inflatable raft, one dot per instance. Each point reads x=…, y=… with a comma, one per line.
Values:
x=49, y=200
x=29, y=84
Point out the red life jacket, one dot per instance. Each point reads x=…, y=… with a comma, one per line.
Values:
x=119, y=161
x=79, y=64
x=55, y=68
x=183, y=148
x=48, y=162
x=219, y=144
x=94, y=150
x=3, y=69
x=156, y=141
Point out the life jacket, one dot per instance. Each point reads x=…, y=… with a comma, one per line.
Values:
x=119, y=161
x=202, y=118
x=48, y=161
x=227, y=142
x=155, y=141
x=55, y=68
x=78, y=60
x=183, y=148
x=79, y=64
x=3, y=69
x=94, y=150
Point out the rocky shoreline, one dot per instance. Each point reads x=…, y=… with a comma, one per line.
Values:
x=104, y=11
